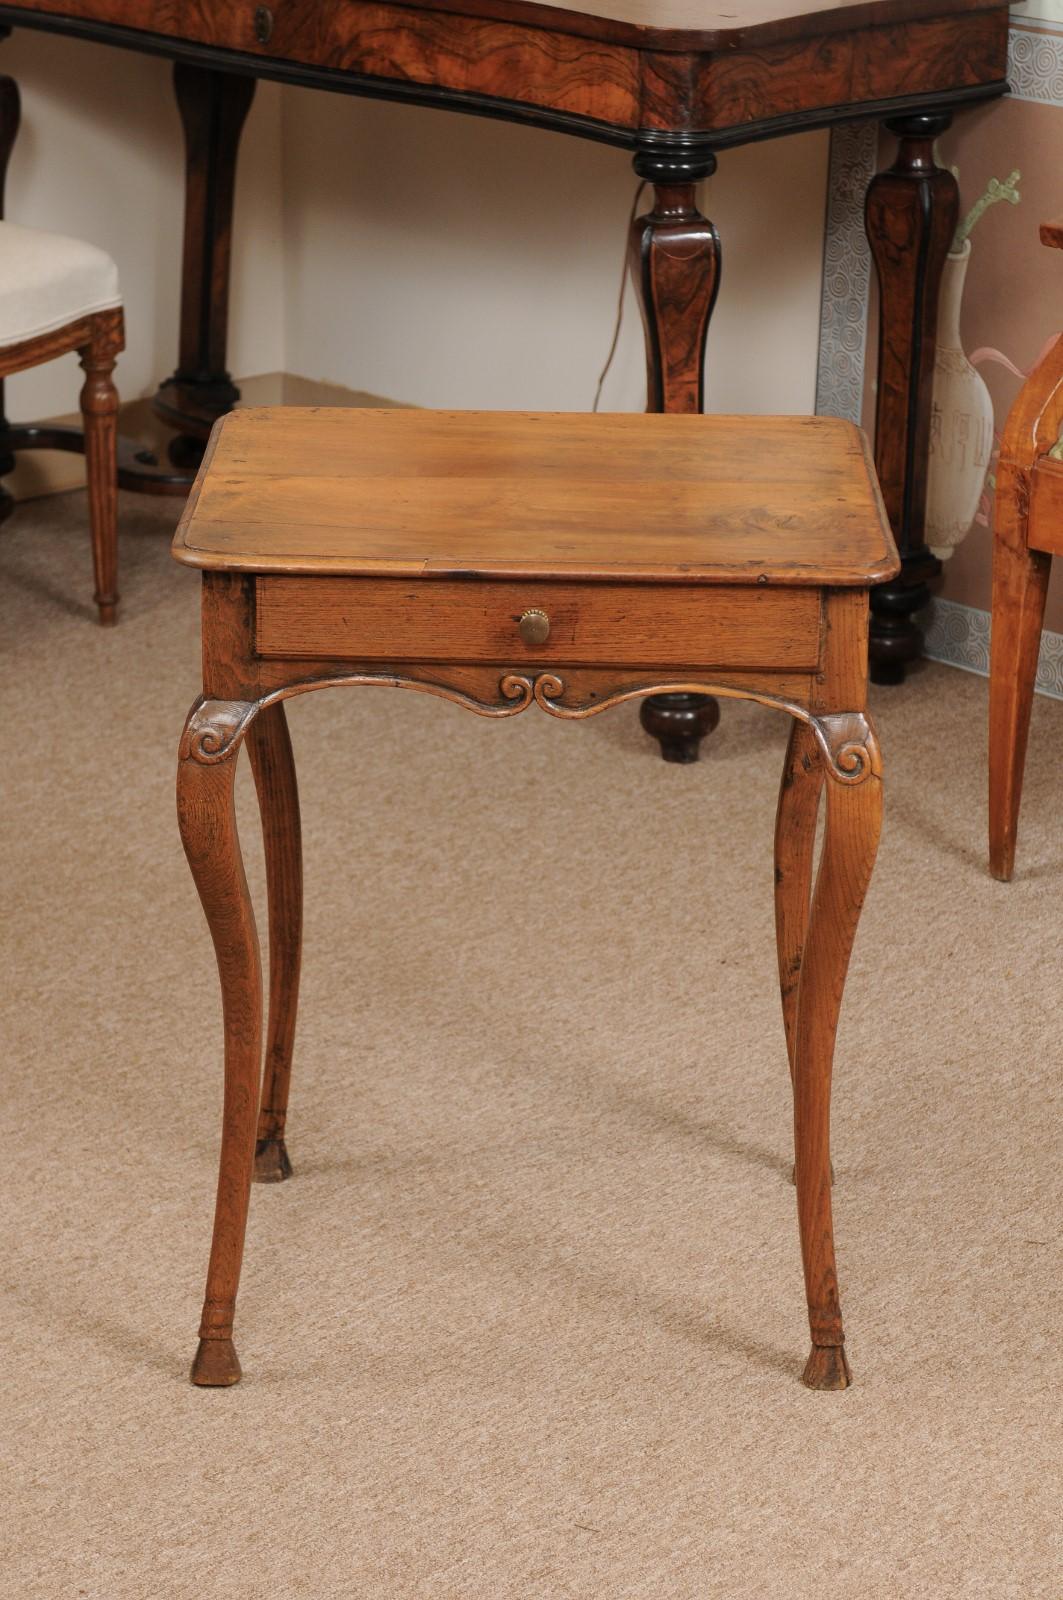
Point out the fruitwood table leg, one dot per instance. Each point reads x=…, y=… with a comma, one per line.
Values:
x=674, y=259
x=1020, y=583
x=795, y=840
x=205, y=773
x=213, y=106
x=270, y=749
x=912, y=211
x=848, y=752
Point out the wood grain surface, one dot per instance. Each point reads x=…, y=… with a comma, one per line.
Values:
x=391, y=619
x=284, y=619
x=609, y=71
x=787, y=500
x=1027, y=505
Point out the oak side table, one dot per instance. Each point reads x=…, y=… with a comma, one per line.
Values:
x=504, y=561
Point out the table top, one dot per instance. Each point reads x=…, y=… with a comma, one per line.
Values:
x=711, y=26
x=646, y=498
x=697, y=24
x=750, y=69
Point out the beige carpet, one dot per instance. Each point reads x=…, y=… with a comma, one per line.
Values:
x=529, y=1321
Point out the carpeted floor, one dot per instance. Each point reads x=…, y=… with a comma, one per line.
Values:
x=529, y=1320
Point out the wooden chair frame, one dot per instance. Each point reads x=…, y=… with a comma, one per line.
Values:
x=1027, y=532
x=98, y=339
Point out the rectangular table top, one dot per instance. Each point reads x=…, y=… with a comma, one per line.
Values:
x=647, y=498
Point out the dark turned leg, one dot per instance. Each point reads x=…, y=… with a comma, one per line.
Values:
x=912, y=211
x=674, y=257
x=10, y=111
x=213, y=106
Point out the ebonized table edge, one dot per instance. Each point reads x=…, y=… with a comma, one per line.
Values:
x=694, y=145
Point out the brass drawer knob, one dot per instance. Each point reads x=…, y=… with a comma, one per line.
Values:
x=534, y=627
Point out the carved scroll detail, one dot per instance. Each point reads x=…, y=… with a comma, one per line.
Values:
x=215, y=728
x=846, y=739
x=848, y=745
x=543, y=690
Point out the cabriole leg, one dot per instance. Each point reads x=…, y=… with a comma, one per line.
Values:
x=205, y=775
x=270, y=749
x=795, y=842
x=795, y=839
x=849, y=752
x=674, y=259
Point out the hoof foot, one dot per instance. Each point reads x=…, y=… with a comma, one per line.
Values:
x=216, y=1366
x=108, y=612
x=271, y=1161
x=827, y=1368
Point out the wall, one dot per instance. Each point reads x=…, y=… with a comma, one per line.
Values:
x=1013, y=300
x=425, y=256
x=447, y=260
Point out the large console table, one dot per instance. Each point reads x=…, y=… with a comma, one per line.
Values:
x=676, y=82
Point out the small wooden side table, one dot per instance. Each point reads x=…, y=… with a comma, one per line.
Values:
x=509, y=560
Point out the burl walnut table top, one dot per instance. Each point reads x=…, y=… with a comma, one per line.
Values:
x=646, y=498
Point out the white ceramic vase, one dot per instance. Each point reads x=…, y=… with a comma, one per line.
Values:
x=961, y=424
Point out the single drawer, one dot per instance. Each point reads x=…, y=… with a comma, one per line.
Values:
x=587, y=624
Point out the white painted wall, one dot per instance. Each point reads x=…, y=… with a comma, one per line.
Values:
x=425, y=256
x=447, y=260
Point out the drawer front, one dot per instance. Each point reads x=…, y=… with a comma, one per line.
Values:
x=590, y=624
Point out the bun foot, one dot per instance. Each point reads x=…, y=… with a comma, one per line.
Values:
x=679, y=722
x=216, y=1366
x=271, y=1161
x=827, y=1368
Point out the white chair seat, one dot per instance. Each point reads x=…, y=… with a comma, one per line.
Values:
x=48, y=280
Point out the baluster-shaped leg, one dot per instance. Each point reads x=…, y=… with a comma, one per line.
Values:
x=849, y=752
x=1020, y=583
x=674, y=258
x=269, y=747
x=205, y=776
x=99, y=412
x=213, y=106
x=911, y=218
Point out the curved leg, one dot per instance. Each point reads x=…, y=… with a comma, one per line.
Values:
x=270, y=750
x=674, y=257
x=99, y=411
x=854, y=814
x=205, y=773
x=795, y=847
x=1020, y=583
x=795, y=839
